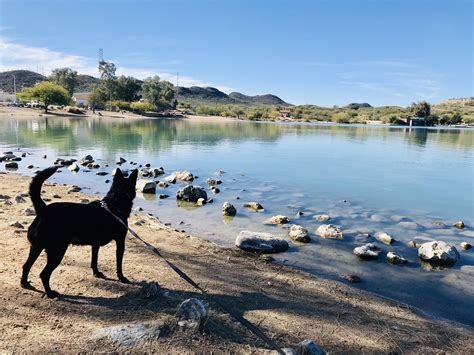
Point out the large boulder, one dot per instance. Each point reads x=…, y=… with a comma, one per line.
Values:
x=191, y=193
x=260, y=242
x=330, y=231
x=367, y=252
x=146, y=186
x=438, y=252
x=299, y=234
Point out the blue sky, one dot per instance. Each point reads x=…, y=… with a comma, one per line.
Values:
x=328, y=53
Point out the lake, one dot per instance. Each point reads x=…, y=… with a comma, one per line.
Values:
x=367, y=178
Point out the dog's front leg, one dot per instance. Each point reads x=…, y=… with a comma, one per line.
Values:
x=120, y=251
x=95, y=257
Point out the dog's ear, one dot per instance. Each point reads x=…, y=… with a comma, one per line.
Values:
x=118, y=175
x=133, y=176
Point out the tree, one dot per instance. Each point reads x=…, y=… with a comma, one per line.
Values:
x=159, y=93
x=98, y=97
x=107, y=70
x=127, y=88
x=66, y=77
x=46, y=92
x=420, y=109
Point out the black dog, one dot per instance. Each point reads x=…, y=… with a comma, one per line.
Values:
x=58, y=225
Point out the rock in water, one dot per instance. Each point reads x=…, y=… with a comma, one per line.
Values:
x=191, y=193
x=384, y=238
x=11, y=165
x=228, y=209
x=465, y=246
x=459, y=225
x=88, y=159
x=299, y=234
x=146, y=186
x=254, y=205
x=278, y=219
x=439, y=253
x=74, y=167
x=191, y=313
x=330, y=231
x=260, y=242
x=367, y=252
x=322, y=217
x=397, y=259
x=213, y=182
x=184, y=176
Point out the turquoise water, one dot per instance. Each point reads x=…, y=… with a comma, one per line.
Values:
x=367, y=178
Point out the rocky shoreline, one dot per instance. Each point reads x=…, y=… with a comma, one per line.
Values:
x=283, y=299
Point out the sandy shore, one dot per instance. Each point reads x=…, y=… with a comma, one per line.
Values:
x=288, y=305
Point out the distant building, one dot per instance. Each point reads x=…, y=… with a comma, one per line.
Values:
x=81, y=98
x=285, y=111
x=416, y=122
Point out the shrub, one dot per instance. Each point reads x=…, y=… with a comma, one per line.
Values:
x=142, y=106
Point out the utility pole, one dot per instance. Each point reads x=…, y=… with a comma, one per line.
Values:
x=14, y=85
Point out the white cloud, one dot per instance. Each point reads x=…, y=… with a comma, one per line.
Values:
x=15, y=56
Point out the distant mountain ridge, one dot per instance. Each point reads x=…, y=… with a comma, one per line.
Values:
x=27, y=78
x=193, y=95
x=210, y=95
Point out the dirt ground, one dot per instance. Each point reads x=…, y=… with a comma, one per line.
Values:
x=288, y=305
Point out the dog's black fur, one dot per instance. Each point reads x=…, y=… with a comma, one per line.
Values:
x=58, y=225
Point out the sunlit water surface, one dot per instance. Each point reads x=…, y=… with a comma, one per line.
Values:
x=367, y=179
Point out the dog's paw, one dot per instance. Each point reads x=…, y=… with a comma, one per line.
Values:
x=99, y=275
x=52, y=294
x=124, y=280
x=26, y=285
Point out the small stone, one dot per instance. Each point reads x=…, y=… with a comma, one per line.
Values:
x=367, y=252
x=184, y=176
x=29, y=212
x=213, y=182
x=397, y=259
x=299, y=234
x=73, y=167
x=86, y=160
x=30, y=167
x=254, y=206
x=19, y=199
x=163, y=196
x=215, y=190
x=121, y=161
x=278, y=219
x=322, y=217
x=146, y=186
x=459, y=225
x=201, y=201
x=84, y=201
x=413, y=244
x=465, y=246
x=330, y=231
x=171, y=179
x=102, y=173
x=16, y=225
x=191, y=313
x=11, y=165
x=384, y=238
x=228, y=209
x=163, y=184
x=151, y=290
x=351, y=278
x=74, y=189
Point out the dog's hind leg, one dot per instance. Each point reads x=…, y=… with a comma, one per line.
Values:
x=35, y=251
x=95, y=256
x=55, y=255
x=119, y=256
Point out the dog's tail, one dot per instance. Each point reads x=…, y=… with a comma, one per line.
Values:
x=35, y=188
